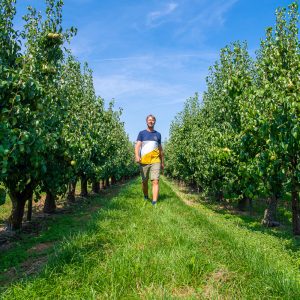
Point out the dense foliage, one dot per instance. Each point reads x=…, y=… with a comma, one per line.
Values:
x=242, y=141
x=53, y=127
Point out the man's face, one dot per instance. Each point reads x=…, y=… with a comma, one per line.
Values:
x=150, y=122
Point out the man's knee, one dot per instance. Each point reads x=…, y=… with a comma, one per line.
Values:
x=155, y=182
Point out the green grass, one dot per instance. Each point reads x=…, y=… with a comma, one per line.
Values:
x=130, y=250
x=252, y=219
x=5, y=209
x=45, y=232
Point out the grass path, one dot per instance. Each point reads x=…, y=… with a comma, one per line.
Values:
x=130, y=250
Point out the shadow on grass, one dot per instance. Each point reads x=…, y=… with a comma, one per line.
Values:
x=251, y=219
x=163, y=197
x=80, y=218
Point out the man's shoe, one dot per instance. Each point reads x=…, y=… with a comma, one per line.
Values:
x=146, y=198
x=154, y=203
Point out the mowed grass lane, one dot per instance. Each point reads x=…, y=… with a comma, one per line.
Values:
x=130, y=250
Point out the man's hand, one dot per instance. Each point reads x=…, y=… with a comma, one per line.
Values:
x=137, y=149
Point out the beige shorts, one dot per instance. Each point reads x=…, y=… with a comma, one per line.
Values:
x=150, y=169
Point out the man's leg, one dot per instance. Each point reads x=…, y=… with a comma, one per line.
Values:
x=144, y=169
x=155, y=189
x=145, y=187
x=154, y=175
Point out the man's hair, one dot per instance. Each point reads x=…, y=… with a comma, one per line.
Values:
x=150, y=116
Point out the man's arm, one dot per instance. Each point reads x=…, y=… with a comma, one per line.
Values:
x=161, y=155
x=137, y=149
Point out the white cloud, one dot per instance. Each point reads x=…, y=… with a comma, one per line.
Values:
x=116, y=86
x=121, y=86
x=203, y=55
x=156, y=18
x=164, y=80
x=216, y=14
x=213, y=15
x=122, y=58
x=158, y=84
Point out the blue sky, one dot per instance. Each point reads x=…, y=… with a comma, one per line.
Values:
x=150, y=56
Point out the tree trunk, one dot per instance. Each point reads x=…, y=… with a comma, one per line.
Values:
x=219, y=196
x=18, y=200
x=83, y=185
x=96, y=186
x=269, y=219
x=102, y=187
x=71, y=191
x=295, y=208
x=29, y=209
x=113, y=180
x=104, y=184
x=243, y=203
x=295, y=198
x=49, y=206
x=250, y=206
x=107, y=182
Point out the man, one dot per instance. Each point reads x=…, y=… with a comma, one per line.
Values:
x=149, y=154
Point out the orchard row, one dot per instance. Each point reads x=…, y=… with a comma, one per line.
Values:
x=241, y=143
x=53, y=127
